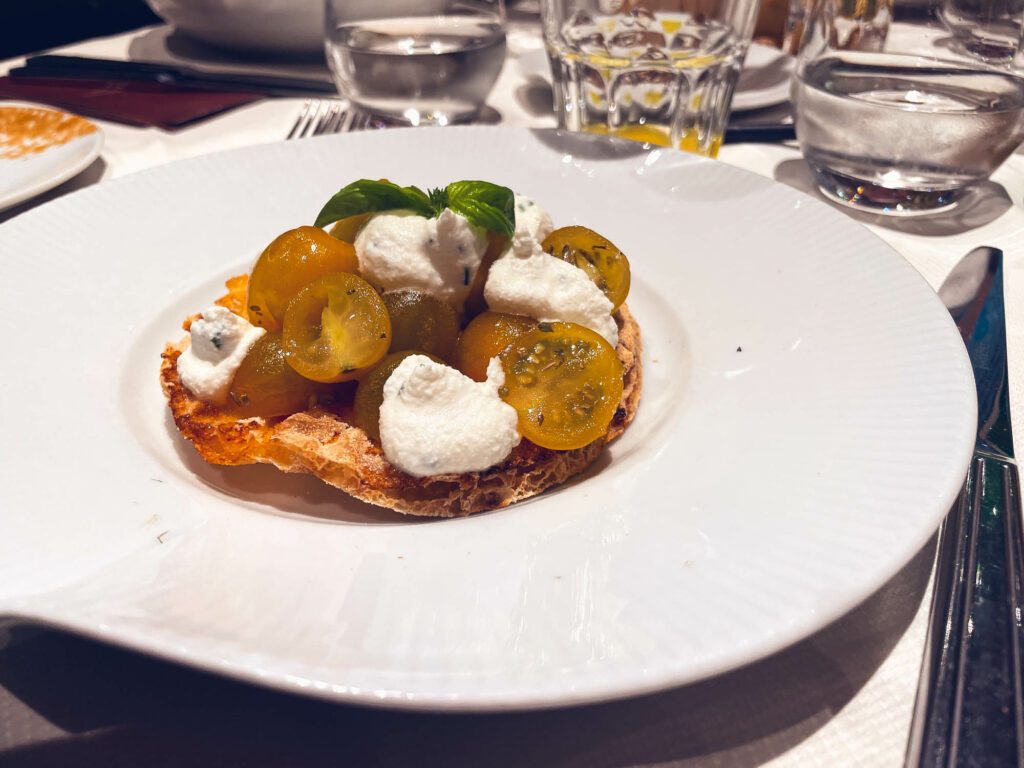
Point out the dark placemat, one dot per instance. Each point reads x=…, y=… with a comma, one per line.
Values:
x=130, y=102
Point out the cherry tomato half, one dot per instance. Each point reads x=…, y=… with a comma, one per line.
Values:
x=295, y=259
x=496, y=245
x=370, y=393
x=265, y=385
x=346, y=230
x=335, y=328
x=421, y=321
x=605, y=264
x=486, y=337
x=565, y=382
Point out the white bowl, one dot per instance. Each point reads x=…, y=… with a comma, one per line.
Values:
x=268, y=26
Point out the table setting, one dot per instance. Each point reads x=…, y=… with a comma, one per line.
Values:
x=803, y=546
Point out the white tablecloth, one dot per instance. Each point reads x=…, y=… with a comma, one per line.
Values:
x=840, y=698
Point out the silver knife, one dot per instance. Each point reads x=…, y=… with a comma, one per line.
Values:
x=969, y=709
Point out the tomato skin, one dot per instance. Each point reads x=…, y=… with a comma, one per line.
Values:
x=370, y=393
x=347, y=229
x=475, y=303
x=294, y=259
x=335, y=329
x=603, y=262
x=265, y=385
x=421, y=321
x=485, y=337
x=565, y=382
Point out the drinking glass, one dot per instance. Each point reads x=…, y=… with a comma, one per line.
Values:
x=660, y=71
x=989, y=29
x=421, y=62
x=894, y=112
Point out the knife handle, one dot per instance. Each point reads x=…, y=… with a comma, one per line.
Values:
x=767, y=133
x=50, y=65
x=969, y=708
x=48, y=61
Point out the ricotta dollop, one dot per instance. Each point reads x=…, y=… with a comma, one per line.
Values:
x=538, y=285
x=434, y=420
x=533, y=224
x=220, y=340
x=437, y=256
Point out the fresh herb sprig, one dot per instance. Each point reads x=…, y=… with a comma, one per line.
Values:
x=484, y=204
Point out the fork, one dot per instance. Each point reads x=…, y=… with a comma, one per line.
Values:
x=320, y=117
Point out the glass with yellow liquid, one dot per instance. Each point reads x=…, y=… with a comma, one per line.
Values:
x=658, y=71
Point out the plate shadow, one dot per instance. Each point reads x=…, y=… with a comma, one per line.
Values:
x=979, y=206
x=91, y=175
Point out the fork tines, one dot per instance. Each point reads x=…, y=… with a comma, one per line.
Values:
x=323, y=116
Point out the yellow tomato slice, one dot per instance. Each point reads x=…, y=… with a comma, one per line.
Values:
x=346, y=230
x=604, y=264
x=565, y=382
x=295, y=259
x=485, y=337
x=335, y=328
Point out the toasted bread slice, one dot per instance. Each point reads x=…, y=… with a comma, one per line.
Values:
x=326, y=443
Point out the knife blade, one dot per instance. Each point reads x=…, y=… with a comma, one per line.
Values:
x=969, y=708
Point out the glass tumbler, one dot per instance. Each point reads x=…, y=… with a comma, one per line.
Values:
x=659, y=71
x=895, y=111
x=420, y=62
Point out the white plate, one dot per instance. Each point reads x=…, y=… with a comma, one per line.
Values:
x=32, y=174
x=764, y=81
x=759, y=494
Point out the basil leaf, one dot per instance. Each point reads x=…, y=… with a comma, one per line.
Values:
x=483, y=215
x=420, y=202
x=485, y=204
x=366, y=196
x=438, y=198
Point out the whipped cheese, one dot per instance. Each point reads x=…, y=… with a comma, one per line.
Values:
x=220, y=341
x=437, y=256
x=533, y=224
x=434, y=420
x=538, y=285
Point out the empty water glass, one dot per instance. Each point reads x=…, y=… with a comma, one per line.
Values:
x=659, y=71
x=422, y=62
x=901, y=117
